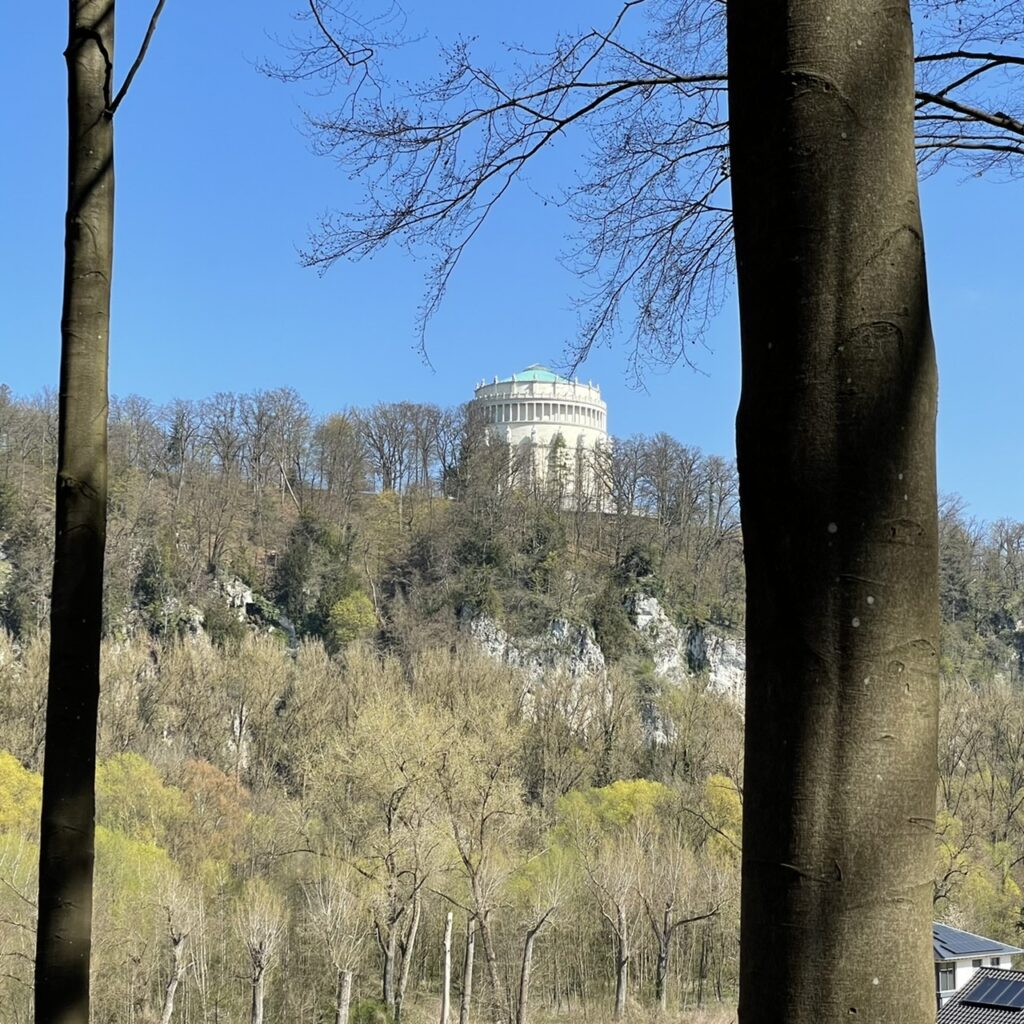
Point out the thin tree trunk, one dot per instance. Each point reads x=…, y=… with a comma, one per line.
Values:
x=408, y=945
x=466, y=996
x=177, y=973
x=343, y=998
x=256, y=1010
x=661, y=973
x=390, y=950
x=446, y=979
x=622, y=962
x=524, y=974
x=491, y=956
x=67, y=834
x=836, y=455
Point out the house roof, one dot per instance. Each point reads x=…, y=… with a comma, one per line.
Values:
x=993, y=996
x=953, y=944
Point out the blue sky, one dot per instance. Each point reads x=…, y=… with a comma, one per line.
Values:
x=217, y=188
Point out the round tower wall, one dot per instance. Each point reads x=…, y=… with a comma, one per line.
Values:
x=539, y=411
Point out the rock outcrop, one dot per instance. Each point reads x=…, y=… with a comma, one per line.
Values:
x=564, y=648
x=677, y=653
x=685, y=653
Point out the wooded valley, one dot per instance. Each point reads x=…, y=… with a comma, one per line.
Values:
x=317, y=794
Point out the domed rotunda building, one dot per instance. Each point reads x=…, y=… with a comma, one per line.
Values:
x=558, y=426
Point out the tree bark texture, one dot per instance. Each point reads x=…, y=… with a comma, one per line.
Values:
x=836, y=456
x=408, y=945
x=389, y=949
x=491, y=957
x=446, y=980
x=67, y=831
x=466, y=998
x=661, y=972
x=256, y=1009
x=343, y=998
x=524, y=975
x=177, y=973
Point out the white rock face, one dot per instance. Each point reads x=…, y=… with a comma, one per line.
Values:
x=565, y=648
x=680, y=654
x=238, y=595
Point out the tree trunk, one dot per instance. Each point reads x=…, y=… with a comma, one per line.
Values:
x=67, y=830
x=836, y=455
x=256, y=1010
x=661, y=973
x=491, y=956
x=408, y=945
x=343, y=998
x=446, y=980
x=622, y=954
x=390, y=950
x=467, y=972
x=177, y=973
x=524, y=975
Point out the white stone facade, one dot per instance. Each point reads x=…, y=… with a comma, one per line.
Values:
x=554, y=426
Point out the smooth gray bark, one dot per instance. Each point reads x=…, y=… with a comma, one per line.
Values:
x=67, y=834
x=343, y=998
x=836, y=456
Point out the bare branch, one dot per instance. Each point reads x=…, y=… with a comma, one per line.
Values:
x=122, y=92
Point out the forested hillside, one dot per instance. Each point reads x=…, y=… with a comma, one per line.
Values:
x=306, y=765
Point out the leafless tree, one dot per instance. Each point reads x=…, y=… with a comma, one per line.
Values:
x=646, y=90
x=260, y=922
x=339, y=922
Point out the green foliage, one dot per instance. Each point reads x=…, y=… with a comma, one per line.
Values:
x=152, y=584
x=20, y=797
x=614, y=807
x=133, y=799
x=313, y=574
x=222, y=624
x=613, y=629
x=370, y=1011
x=351, y=618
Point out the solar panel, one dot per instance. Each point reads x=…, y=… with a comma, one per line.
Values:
x=1008, y=994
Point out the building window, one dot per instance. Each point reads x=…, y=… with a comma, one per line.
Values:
x=947, y=977
x=547, y=410
x=996, y=961
x=507, y=415
x=529, y=410
x=977, y=963
x=515, y=413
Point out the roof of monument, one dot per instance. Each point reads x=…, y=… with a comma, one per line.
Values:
x=536, y=372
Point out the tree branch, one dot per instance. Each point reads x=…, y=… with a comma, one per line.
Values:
x=116, y=102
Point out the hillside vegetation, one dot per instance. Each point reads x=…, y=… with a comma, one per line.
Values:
x=306, y=765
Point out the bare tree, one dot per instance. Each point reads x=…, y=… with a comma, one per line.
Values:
x=668, y=888
x=387, y=434
x=647, y=90
x=260, y=922
x=183, y=908
x=339, y=922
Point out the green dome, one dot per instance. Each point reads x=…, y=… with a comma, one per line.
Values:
x=539, y=373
